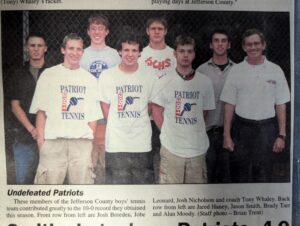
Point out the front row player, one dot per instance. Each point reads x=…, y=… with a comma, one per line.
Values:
x=67, y=110
x=179, y=102
x=125, y=92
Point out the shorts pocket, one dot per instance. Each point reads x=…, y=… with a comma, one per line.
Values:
x=41, y=175
x=90, y=176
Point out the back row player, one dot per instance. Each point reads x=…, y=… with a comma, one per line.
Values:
x=96, y=58
x=159, y=58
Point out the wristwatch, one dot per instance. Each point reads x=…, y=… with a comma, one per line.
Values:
x=281, y=136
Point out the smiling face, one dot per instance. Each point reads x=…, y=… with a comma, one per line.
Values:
x=129, y=53
x=220, y=44
x=72, y=53
x=97, y=33
x=36, y=48
x=254, y=47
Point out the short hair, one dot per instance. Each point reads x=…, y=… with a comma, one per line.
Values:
x=98, y=19
x=71, y=36
x=184, y=40
x=219, y=31
x=253, y=31
x=130, y=38
x=36, y=34
x=160, y=20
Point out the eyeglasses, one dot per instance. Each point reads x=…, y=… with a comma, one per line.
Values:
x=250, y=44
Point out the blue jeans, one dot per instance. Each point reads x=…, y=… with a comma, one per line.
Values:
x=26, y=162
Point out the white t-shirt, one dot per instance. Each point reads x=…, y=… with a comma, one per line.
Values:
x=128, y=125
x=97, y=60
x=183, y=130
x=69, y=100
x=159, y=61
x=255, y=89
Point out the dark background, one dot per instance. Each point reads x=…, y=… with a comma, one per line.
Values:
x=56, y=24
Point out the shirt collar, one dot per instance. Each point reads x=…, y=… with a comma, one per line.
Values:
x=210, y=62
x=264, y=63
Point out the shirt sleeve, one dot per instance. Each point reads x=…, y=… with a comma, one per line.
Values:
x=209, y=96
x=104, y=87
x=95, y=112
x=229, y=92
x=282, y=90
x=159, y=87
x=14, y=87
x=42, y=93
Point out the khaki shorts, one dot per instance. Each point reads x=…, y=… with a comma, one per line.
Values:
x=179, y=170
x=65, y=158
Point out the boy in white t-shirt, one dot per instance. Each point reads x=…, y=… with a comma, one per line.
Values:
x=125, y=92
x=96, y=58
x=179, y=102
x=158, y=57
x=67, y=112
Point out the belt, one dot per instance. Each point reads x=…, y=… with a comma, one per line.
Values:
x=254, y=122
x=216, y=130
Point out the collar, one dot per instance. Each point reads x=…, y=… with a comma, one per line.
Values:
x=27, y=65
x=210, y=62
x=263, y=64
x=187, y=77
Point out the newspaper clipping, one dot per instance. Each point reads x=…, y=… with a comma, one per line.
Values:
x=223, y=159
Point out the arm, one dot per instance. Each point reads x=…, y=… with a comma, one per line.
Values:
x=40, y=127
x=93, y=126
x=228, y=115
x=157, y=114
x=279, y=143
x=105, y=109
x=22, y=117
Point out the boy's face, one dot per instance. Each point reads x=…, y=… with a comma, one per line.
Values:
x=129, y=53
x=36, y=48
x=156, y=32
x=72, y=53
x=97, y=33
x=184, y=54
x=220, y=44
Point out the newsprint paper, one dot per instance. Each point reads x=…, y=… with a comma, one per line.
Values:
x=211, y=204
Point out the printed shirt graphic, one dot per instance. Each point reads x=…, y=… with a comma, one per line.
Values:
x=128, y=125
x=159, y=61
x=69, y=100
x=97, y=67
x=183, y=131
x=97, y=60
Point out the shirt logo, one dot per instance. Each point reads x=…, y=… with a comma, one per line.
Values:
x=129, y=100
x=187, y=107
x=271, y=82
x=97, y=67
x=159, y=65
x=185, y=113
x=127, y=95
x=72, y=102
